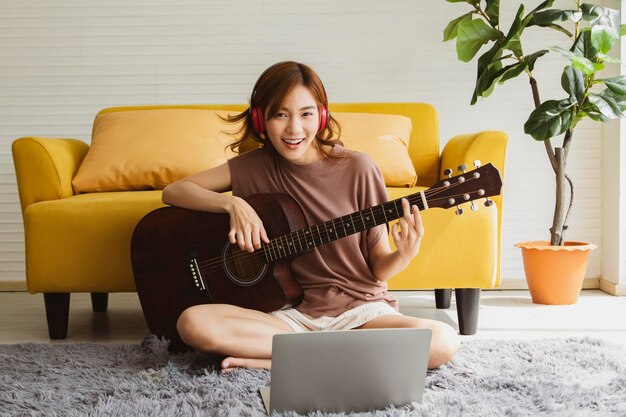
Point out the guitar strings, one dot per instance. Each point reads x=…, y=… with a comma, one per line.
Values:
x=243, y=258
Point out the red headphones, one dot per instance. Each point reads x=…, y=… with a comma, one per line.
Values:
x=258, y=121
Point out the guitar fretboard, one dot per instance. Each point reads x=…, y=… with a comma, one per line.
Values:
x=303, y=240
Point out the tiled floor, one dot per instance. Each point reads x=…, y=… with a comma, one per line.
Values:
x=503, y=314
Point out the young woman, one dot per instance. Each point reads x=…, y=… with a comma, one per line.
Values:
x=343, y=281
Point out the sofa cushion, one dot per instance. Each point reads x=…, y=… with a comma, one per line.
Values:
x=384, y=137
x=149, y=149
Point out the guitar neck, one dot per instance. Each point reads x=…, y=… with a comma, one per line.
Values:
x=482, y=182
x=303, y=240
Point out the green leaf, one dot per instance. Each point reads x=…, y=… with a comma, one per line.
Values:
x=515, y=45
x=573, y=82
x=560, y=29
x=606, y=104
x=609, y=99
x=564, y=52
x=583, y=41
x=622, y=30
x=579, y=62
x=620, y=99
x=517, y=27
x=547, y=3
x=550, y=119
x=489, y=90
x=482, y=69
x=530, y=59
x=592, y=111
x=488, y=77
x=616, y=85
x=512, y=71
x=586, y=66
x=471, y=35
x=603, y=38
x=527, y=21
x=583, y=45
x=488, y=73
x=597, y=15
x=577, y=118
x=493, y=11
x=450, y=31
x=609, y=59
x=547, y=17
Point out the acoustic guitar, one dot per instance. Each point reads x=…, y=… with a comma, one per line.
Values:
x=183, y=258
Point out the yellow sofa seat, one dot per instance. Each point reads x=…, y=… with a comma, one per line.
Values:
x=81, y=243
x=86, y=241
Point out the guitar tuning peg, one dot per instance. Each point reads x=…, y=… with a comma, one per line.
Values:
x=473, y=206
x=463, y=168
x=488, y=202
x=458, y=211
x=447, y=172
x=477, y=163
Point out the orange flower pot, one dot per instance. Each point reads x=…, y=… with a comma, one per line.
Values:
x=555, y=274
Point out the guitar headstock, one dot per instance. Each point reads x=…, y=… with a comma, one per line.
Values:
x=482, y=182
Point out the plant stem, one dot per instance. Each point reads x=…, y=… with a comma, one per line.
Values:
x=556, y=230
x=569, y=207
x=547, y=143
x=480, y=11
x=559, y=221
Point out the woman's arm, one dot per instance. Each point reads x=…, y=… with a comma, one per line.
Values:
x=386, y=263
x=203, y=191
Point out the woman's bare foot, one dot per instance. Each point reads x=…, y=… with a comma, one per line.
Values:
x=231, y=363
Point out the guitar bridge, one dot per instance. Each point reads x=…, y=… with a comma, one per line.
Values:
x=196, y=274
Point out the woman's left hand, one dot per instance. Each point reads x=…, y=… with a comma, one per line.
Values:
x=410, y=233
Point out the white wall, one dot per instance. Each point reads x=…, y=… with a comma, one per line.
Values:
x=62, y=61
x=614, y=192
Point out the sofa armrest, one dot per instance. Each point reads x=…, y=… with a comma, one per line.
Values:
x=44, y=167
x=487, y=147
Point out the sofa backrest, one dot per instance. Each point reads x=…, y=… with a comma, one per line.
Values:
x=423, y=145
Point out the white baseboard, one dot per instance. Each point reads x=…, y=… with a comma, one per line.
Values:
x=612, y=288
x=12, y=286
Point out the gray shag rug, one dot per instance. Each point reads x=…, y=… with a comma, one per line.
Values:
x=546, y=377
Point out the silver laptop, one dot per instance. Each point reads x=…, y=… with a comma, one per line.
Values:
x=344, y=371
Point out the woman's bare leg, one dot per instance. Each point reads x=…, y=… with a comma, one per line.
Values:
x=443, y=345
x=244, y=335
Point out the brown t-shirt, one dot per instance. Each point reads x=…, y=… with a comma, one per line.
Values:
x=336, y=276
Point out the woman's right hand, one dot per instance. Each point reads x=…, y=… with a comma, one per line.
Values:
x=246, y=228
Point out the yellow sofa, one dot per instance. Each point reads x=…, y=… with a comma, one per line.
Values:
x=81, y=242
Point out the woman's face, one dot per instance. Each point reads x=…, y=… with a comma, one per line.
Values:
x=293, y=127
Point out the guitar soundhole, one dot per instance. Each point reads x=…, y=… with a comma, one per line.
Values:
x=243, y=268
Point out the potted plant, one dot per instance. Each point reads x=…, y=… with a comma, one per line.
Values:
x=593, y=31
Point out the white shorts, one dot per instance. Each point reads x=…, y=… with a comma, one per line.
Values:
x=350, y=319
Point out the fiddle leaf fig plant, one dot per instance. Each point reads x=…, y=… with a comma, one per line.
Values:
x=592, y=31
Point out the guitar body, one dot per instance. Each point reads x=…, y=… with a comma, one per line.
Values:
x=183, y=258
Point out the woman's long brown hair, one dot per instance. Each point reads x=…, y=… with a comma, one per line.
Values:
x=274, y=84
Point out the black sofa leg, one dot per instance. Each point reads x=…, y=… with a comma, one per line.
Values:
x=57, y=313
x=99, y=301
x=442, y=297
x=467, y=306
